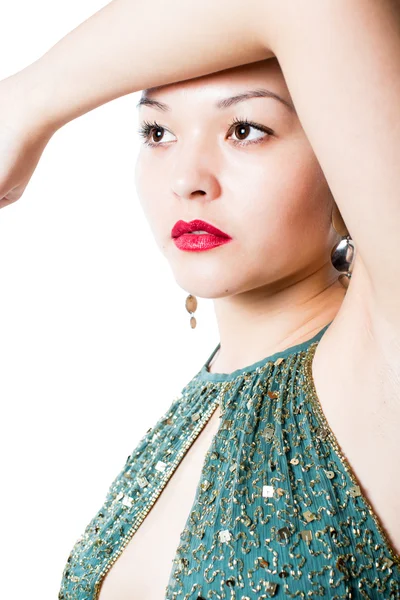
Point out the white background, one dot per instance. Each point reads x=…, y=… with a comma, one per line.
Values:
x=95, y=340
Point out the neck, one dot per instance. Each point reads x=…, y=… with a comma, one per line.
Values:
x=265, y=320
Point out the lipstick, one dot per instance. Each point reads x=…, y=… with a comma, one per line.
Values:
x=198, y=235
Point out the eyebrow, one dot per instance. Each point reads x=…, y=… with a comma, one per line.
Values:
x=225, y=102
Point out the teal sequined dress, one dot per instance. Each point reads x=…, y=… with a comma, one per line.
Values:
x=277, y=512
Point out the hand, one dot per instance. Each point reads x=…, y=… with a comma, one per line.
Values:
x=23, y=138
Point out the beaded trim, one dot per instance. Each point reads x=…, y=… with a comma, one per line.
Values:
x=316, y=404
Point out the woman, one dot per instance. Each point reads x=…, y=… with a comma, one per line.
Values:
x=338, y=534
x=212, y=165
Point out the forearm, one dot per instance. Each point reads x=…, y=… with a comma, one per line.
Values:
x=131, y=45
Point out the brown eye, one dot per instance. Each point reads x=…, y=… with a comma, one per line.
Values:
x=153, y=134
x=242, y=130
x=246, y=132
x=157, y=134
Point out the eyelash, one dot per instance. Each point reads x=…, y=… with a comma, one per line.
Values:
x=147, y=128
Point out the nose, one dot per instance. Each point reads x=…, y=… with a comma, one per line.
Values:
x=194, y=174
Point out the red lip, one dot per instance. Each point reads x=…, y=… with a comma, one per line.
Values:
x=182, y=227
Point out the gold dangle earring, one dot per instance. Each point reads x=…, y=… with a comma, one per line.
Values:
x=191, y=305
x=342, y=254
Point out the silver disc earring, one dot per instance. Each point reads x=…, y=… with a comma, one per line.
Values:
x=342, y=254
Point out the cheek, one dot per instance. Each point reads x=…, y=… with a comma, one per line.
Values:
x=283, y=207
x=308, y=200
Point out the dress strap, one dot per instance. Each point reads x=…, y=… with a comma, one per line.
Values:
x=209, y=359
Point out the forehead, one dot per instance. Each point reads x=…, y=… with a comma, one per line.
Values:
x=263, y=79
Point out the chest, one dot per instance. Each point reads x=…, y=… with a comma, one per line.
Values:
x=143, y=569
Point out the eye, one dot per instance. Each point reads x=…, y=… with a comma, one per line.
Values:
x=242, y=127
x=153, y=133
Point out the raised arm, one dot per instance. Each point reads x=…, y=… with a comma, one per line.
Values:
x=130, y=45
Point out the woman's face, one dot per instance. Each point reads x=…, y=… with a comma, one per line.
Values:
x=261, y=183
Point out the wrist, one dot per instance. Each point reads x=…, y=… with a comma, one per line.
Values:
x=27, y=96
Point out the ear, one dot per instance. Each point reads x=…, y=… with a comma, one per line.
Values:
x=337, y=221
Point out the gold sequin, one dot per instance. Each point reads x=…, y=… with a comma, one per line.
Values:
x=269, y=433
x=306, y=535
x=354, y=491
x=142, y=481
x=283, y=534
x=205, y=485
x=271, y=588
x=263, y=563
x=322, y=433
x=309, y=516
x=387, y=562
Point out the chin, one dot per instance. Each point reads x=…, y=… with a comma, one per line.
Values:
x=206, y=286
x=213, y=278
